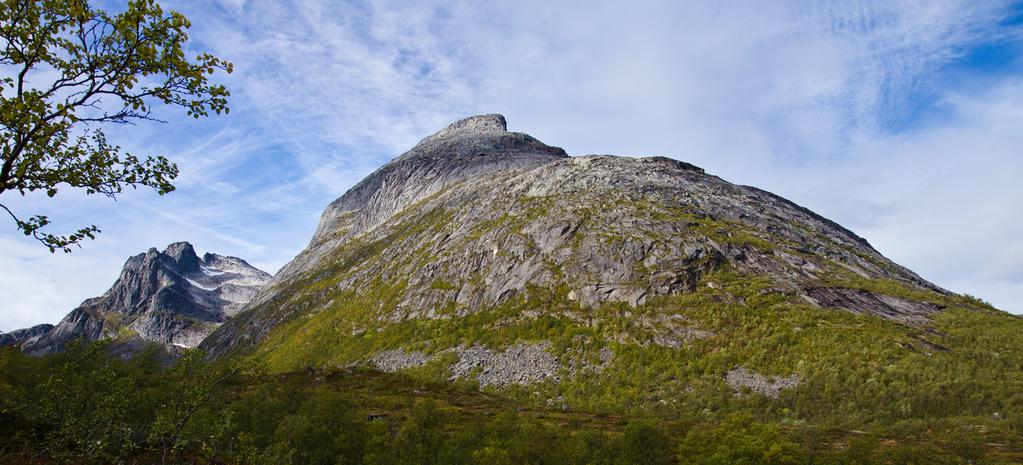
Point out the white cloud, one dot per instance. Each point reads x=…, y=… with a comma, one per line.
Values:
x=946, y=200
x=35, y=294
x=797, y=97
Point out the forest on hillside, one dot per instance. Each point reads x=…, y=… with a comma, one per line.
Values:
x=86, y=407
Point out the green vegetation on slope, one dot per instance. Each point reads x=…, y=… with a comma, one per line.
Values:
x=961, y=370
x=855, y=370
x=85, y=407
x=644, y=383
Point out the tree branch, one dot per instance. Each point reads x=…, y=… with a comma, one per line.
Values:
x=97, y=58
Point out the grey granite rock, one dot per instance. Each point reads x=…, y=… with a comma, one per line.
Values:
x=519, y=364
x=173, y=298
x=23, y=336
x=396, y=360
x=770, y=386
x=860, y=301
x=469, y=148
x=498, y=212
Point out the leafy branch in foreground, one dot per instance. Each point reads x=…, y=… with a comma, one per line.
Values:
x=72, y=68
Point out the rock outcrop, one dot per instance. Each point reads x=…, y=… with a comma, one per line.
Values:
x=20, y=337
x=173, y=298
x=396, y=360
x=467, y=149
x=521, y=364
x=741, y=379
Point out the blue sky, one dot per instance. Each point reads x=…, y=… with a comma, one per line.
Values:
x=901, y=120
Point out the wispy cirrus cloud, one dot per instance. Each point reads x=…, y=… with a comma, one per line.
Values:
x=859, y=110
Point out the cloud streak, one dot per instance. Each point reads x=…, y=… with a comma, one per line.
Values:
x=840, y=106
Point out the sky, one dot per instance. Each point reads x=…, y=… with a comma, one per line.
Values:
x=901, y=120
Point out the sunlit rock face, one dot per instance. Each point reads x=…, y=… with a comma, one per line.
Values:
x=20, y=337
x=173, y=298
x=474, y=217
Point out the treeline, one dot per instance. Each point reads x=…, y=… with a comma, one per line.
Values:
x=86, y=407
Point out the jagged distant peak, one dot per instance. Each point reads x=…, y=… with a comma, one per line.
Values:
x=171, y=297
x=183, y=254
x=23, y=336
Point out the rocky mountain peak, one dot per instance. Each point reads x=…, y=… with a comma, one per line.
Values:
x=475, y=218
x=183, y=255
x=464, y=140
x=24, y=336
x=478, y=123
x=468, y=148
x=171, y=297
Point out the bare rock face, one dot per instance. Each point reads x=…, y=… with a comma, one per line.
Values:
x=20, y=337
x=475, y=216
x=860, y=301
x=172, y=298
x=467, y=149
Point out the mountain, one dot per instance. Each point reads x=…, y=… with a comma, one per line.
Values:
x=172, y=298
x=24, y=336
x=603, y=281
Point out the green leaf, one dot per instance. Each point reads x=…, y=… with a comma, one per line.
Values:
x=44, y=143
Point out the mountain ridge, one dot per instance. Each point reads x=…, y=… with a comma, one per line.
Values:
x=596, y=229
x=551, y=308
x=471, y=147
x=173, y=298
x=22, y=336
